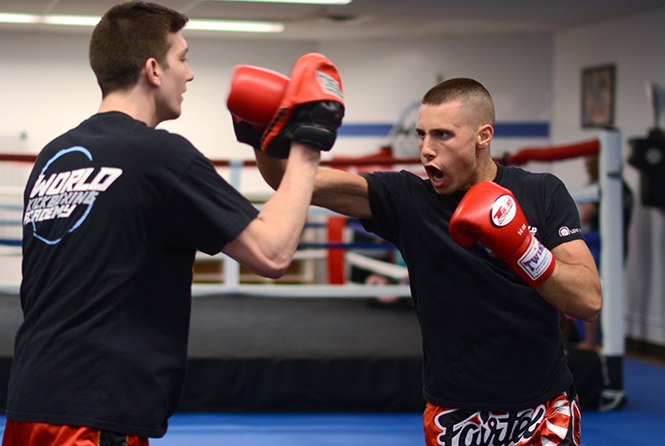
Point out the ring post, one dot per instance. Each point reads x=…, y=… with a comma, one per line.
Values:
x=231, y=266
x=611, y=255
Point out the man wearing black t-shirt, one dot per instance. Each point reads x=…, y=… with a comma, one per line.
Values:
x=115, y=211
x=493, y=253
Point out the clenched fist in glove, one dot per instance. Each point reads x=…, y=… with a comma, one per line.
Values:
x=490, y=214
x=308, y=107
x=254, y=97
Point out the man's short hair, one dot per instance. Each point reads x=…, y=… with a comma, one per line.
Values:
x=127, y=35
x=473, y=95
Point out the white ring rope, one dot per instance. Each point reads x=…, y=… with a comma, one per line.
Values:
x=307, y=291
x=387, y=269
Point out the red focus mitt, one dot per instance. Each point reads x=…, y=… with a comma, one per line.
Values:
x=490, y=214
x=311, y=109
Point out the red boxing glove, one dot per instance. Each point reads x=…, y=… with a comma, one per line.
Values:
x=254, y=97
x=490, y=214
x=255, y=94
x=311, y=110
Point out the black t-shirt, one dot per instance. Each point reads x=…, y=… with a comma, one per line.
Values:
x=489, y=341
x=114, y=214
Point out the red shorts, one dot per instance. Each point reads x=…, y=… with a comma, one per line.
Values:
x=21, y=433
x=556, y=422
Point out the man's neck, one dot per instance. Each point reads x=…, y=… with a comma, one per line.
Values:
x=132, y=103
x=488, y=170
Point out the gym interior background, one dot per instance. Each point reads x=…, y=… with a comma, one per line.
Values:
x=47, y=86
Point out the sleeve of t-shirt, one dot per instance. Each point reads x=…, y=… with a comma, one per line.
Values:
x=206, y=211
x=563, y=218
x=383, y=204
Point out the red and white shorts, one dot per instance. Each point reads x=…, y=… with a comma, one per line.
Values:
x=21, y=433
x=556, y=422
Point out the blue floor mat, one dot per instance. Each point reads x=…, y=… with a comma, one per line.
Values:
x=294, y=430
x=640, y=423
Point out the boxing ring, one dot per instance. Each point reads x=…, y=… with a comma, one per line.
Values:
x=611, y=227
x=329, y=306
x=610, y=224
x=333, y=246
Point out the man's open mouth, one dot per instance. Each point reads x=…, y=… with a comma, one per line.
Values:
x=434, y=173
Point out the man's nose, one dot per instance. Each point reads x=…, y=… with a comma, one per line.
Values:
x=426, y=148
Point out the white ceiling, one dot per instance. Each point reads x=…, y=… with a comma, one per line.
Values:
x=371, y=19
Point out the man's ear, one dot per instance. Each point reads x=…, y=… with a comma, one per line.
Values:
x=485, y=134
x=153, y=71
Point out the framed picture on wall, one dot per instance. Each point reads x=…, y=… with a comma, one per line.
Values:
x=598, y=84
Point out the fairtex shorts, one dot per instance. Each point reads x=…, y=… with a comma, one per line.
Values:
x=556, y=422
x=21, y=433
